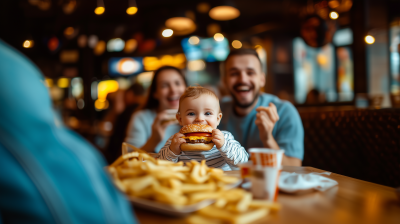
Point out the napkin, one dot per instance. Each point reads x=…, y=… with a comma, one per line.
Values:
x=295, y=182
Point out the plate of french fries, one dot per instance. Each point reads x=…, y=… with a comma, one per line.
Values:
x=171, y=188
x=178, y=189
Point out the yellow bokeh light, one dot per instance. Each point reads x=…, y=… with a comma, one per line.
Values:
x=69, y=31
x=167, y=32
x=236, y=44
x=153, y=63
x=131, y=10
x=48, y=82
x=219, y=37
x=101, y=104
x=196, y=65
x=63, y=82
x=369, y=39
x=194, y=40
x=28, y=44
x=99, y=10
x=224, y=12
x=334, y=15
x=106, y=87
x=99, y=48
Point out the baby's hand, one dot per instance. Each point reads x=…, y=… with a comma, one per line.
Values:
x=176, y=142
x=218, y=138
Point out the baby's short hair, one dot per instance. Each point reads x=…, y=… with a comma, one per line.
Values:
x=196, y=92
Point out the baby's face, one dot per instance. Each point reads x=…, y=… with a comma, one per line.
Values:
x=202, y=110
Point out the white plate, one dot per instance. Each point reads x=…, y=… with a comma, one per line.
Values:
x=174, y=210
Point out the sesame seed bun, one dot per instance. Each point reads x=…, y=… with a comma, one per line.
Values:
x=196, y=128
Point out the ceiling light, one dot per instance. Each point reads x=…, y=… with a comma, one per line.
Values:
x=167, y=32
x=181, y=25
x=218, y=37
x=236, y=44
x=224, y=13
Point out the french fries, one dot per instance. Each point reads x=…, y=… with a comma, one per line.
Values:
x=177, y=184
x=140, y=175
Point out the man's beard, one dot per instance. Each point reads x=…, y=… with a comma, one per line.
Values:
x=247, y=105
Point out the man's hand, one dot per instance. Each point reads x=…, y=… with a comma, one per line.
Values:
x=218, y=138
x=265, y=121
x=176, y=142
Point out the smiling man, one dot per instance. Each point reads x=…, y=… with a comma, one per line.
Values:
x=258, y=119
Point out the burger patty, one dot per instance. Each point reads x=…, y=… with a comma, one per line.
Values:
x=197, y=141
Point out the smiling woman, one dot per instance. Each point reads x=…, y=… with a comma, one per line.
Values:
x=151, y=126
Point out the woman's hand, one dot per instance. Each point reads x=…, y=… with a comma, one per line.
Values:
x=159, y=126
x=218, y=138
x=176, y=142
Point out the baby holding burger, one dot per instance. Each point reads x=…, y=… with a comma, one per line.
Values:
x=199, y=113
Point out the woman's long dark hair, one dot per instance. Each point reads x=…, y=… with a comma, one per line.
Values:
x=151, y=102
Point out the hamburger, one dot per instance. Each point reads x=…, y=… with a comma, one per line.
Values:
x=198, y=137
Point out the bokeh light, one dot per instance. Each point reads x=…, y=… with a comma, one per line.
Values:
x=236, y=44
x=63, y=82
x=334, y=15
x=99, y=10
x=224, y=12
x=218, y=37
x=28, y=44
x=194, y=40
x=130, y=46
x=196, y=65
x=167, y=32
x=69, y=31
x=100, y=48
x=131, y=10
x=369, y=39
x=106, y=87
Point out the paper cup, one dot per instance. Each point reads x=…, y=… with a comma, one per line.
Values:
x=245, y=169
x=264, y=183
x=263, y=157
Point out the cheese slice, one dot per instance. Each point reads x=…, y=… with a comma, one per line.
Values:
x=197, y=138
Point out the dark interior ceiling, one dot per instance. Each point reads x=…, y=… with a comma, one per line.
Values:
x=21, y=20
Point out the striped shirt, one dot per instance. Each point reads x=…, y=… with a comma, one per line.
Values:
x=227, y=157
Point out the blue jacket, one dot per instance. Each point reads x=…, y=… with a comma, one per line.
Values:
x=48, y=174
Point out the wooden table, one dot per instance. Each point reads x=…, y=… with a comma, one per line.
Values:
x=352, y=201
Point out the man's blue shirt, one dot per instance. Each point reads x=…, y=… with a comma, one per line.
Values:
x=288, y=131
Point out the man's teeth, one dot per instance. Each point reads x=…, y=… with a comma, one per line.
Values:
x=243, y=88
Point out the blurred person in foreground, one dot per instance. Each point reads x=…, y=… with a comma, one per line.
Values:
x=133, y=98
x=258, y=119
x=49, y=173
x=151, y=126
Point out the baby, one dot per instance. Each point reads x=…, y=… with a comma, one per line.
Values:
x=199, y=105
